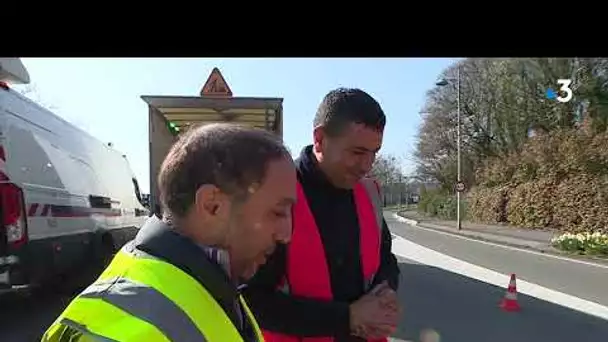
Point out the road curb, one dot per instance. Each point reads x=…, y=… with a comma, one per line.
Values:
x=471, y=234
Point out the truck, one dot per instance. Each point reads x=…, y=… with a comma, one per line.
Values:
x=68, y=201
x=170, y=116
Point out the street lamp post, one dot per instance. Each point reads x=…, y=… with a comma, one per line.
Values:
x=400, y=192
x=445, y=82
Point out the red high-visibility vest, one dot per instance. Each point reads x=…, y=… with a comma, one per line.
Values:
x=307, y=273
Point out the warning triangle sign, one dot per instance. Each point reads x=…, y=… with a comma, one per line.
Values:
x=216, y=85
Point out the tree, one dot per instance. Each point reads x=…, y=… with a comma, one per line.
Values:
x=501, y=100
x=386, y=169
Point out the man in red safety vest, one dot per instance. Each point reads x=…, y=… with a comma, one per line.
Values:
x=336, y=281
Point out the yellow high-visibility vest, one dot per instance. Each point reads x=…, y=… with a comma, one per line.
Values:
x=142, y=298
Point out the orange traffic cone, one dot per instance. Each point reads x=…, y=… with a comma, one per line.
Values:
x=509, y=302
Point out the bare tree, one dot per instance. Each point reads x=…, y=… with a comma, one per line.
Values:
x=386, y=169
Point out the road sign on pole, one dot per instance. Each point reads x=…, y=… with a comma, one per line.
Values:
x=460, y=187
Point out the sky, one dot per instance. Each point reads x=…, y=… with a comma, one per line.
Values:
x=103, y=96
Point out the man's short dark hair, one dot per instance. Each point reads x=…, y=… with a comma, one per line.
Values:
x=343, y=106
x=229, y=156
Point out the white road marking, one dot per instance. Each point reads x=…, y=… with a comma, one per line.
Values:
x=583, y=262
x=418, y=253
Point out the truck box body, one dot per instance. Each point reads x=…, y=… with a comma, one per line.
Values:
x=170, y=115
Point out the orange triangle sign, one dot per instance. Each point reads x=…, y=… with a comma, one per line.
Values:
x=216, y=85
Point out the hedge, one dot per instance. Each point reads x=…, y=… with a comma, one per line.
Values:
x=557, y=180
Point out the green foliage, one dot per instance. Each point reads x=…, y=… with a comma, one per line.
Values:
x=556, y=177
x=583, y=243
x=501, y=99
x=423, y=191
x=441, y=204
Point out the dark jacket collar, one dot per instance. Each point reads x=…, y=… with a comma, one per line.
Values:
x=311, y=175
x=157, y=238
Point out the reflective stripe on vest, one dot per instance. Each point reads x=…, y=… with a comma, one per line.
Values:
x=141, y=298
x=307, y=270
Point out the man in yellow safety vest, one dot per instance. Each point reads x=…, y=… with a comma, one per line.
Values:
x=226, y=193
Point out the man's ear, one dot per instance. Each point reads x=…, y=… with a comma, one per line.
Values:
x=318, y=135
x=209, y=200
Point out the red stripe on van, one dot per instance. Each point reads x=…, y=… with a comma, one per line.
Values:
x=65, y=211
x=45, y=210
x=32, y=210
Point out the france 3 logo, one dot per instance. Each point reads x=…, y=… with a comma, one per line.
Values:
x=564, y=94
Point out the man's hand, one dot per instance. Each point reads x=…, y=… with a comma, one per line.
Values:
x=376, y=314
x=387, y=296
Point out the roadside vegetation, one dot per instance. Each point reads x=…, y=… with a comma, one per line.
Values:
x=440, y=203
x=527, y=160
x=583, y=243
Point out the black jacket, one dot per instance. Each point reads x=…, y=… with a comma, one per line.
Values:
x=336, y=217
x=158, y=239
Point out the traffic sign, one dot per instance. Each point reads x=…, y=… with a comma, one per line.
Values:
x=216, y=85
x=460, y=187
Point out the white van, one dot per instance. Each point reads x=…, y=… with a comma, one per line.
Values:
x=66, y=199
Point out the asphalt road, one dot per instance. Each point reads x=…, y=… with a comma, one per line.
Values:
x=24, y=319
x=458, y=307
x=582, y=280
x=464, y=309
